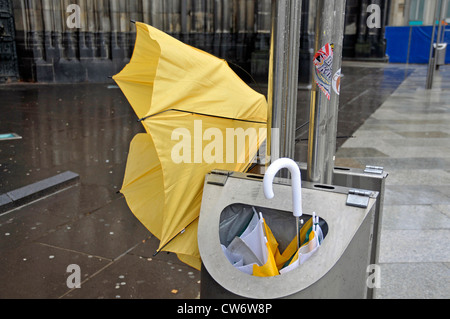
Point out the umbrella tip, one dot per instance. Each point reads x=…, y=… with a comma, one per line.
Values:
x=133, y=21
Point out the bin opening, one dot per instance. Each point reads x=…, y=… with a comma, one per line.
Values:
x=253, y=237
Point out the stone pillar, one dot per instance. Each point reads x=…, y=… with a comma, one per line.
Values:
x=8, y=54
x=70, y=41
x=85, y=52
x=103, y=28
x=370, y=42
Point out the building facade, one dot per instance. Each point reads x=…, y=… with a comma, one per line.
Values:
x=61, y=41
x=416, y=12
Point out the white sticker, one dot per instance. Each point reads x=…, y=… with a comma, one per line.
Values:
x=337, y=82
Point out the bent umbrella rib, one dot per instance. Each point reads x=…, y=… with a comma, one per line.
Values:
x=201, y=114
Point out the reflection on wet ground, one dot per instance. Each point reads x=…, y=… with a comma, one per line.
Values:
x=87, y=129
x=364, y=88
x=83, y=128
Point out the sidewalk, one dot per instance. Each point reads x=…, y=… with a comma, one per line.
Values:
x=87, y=129
x=409, y=135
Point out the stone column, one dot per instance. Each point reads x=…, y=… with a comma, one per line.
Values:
x=116, y=51
x=85, y=51
x=70, y=42
x=35, y=28
x=103, y=27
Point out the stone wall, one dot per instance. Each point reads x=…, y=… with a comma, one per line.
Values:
x=50, y=51
x=8, y=56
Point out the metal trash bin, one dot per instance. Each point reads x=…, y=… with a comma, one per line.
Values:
x=337, y=270
x=440, y=50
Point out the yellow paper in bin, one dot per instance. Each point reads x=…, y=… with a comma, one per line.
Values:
x=292, y=249
x=270, y=269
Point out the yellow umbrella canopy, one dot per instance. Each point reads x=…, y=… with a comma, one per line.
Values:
x=166, y=74
x=199, y=116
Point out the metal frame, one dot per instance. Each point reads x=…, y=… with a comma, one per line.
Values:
x=330, y=22
x=283, y=76
x=361, y=179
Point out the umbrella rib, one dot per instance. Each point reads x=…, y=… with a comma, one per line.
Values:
x=201, y=114
x=181, y=232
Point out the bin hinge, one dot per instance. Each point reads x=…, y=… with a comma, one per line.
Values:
x=374, y=170
x=358, y=198
x=218, y=177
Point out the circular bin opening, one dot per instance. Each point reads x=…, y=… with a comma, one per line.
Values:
x=237, y=220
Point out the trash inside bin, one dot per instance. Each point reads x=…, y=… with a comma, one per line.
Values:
x=440, y=53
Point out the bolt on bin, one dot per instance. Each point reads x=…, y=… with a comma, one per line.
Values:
x=337, y=269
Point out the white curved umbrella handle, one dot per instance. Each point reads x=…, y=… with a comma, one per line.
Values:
x=296, y=182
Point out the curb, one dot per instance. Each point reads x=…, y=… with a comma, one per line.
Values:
x=35, y=191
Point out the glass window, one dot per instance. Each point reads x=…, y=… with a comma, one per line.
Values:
x=448, y=9
x=417, y=10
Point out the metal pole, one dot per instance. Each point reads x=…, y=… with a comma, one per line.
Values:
x=294, y=61
x=438, y=40
x=283, y=77
x=323, y=112
x=338, y=39
x=443, y=16
x=409, y=46
x=432, y=59
x=407, y=12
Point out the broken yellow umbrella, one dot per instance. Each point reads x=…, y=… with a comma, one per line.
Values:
x=193, y=107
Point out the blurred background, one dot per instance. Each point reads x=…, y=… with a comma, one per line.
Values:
x=39, y=45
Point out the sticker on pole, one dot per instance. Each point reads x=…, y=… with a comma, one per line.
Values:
x=337, y=82
x=323, y=62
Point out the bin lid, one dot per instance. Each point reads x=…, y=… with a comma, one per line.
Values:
x=441, y=46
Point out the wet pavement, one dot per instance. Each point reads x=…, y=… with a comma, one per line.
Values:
x=364, y=88
x=87, y=129
x=409, y=135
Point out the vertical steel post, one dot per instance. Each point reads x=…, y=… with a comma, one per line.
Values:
x=444, y=11
x=333, y=114
x=283, y=77
x=330, y=19
x=439, y=34
x=432, y=60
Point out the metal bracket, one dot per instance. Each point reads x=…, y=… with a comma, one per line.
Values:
x=374, y=170
x=358, y=198
x=218, y=177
